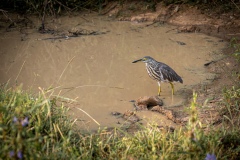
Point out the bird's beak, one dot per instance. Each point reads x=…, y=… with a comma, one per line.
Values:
x=137, y=61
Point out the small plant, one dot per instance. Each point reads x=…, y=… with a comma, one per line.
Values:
x=235, y=43
x=231, y=103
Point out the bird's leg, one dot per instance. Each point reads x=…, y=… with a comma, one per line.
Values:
x=172, y=88
x=159, y=88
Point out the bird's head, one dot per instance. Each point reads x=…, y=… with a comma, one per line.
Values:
x=145, y=59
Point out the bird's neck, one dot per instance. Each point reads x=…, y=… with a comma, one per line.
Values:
x=151, y=64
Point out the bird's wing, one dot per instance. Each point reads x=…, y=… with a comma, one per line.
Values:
x=168, y=74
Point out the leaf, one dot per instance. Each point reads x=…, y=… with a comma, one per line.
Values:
x=237, y=53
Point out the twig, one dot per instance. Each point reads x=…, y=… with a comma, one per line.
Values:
x=178, y=42
x=170, y=30
x=75, y=35
x=5, y=14
x=85, y=19
x=213, y=61
x=111, y=8
x=235, y=4
x=66, y=8
x=151, y=24
x=55, y=38
x=43, y=17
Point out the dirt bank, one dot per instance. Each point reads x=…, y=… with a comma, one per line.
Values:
x=187, y=18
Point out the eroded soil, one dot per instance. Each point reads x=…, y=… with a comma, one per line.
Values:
x=214, y=21
x=96, y=73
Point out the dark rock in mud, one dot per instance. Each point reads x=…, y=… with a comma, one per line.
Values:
x=114, y=113
x=189, y=28
x=80, y=31
x=131, y=116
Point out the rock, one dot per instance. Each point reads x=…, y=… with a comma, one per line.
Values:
x=154, y=103
x=147, y=102
x=114, y=113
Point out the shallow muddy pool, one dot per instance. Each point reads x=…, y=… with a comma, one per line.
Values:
x=97, y=70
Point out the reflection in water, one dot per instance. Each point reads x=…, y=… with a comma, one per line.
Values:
x=97, y=70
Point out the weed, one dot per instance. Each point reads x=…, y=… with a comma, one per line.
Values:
x=236, y=46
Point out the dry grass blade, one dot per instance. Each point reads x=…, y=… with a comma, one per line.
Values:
x=89, y=116
x=20, y=70
x=65, y=69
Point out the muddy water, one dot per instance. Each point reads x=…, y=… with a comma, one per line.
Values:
x=97, y=72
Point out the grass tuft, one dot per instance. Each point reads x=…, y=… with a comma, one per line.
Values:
x=32, y=125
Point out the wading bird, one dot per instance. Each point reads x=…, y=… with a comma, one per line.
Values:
x=160, y=72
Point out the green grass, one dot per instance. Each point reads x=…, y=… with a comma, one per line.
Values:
x=48, y=133
x=235, y=44
x=48, y=130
